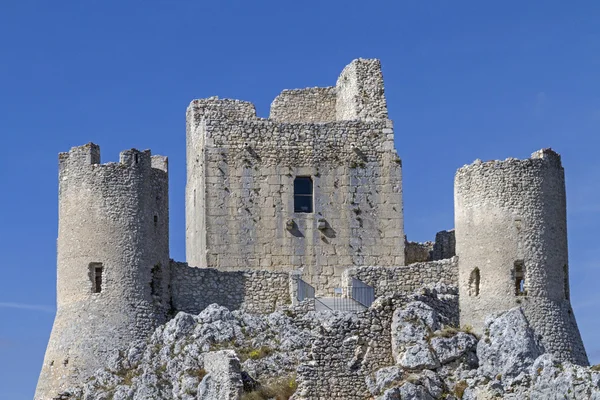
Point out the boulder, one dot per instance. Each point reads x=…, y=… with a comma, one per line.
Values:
x=448, y=349
x=508, y=346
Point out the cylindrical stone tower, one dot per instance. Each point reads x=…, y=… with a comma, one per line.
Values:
x=511, y=240
x=113, y=260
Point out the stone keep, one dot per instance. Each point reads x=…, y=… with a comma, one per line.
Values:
x=113, y=258
x=241, y=171
x=511, y=242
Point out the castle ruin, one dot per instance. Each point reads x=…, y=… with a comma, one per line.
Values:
x=311, y=195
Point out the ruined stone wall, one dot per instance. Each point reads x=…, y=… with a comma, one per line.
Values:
x=444, y=246
x=305, y=105
x=360, y=92
x=113, y=216
x=255, y=291
x=351, y=347
x=405, y=279
x=510, y=216
x=417, y=252
x=240, y=192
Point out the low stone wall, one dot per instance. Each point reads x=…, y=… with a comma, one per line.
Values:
x=405, y=279
x=255, y=291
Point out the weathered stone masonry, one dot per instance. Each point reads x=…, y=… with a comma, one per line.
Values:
x=241, y=170
x=112, y=258
x=405, y=279
x=247, y=243
x=256, y=291
x=511, y=240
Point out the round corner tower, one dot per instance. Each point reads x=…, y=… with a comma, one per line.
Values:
x=112, y=261
x=511, y=240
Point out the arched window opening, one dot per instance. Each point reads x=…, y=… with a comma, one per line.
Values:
x=474, y=280
x=95, y=273
x=520, y=278
x=303, y=194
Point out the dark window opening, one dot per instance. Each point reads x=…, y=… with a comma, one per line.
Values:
x=520, y=279
x=156, y=282
x=474, y=281
x=156, y=220
x=96, y=270
x=135, y=157
x=303, y=194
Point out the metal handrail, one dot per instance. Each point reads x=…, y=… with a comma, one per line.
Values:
x=316, y=300
x=362, y=293
x=305, y=291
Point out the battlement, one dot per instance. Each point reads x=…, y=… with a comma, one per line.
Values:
x=215, y=108
x=89, y=155
x=357, y=95
x=548, y=155
x=538, y=158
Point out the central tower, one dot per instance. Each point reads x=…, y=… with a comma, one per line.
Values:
x=317, y=186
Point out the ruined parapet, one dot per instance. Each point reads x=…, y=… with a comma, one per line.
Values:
x=417, y=252
x=444, y=246
x=360, y=93
x=241, y=209
x=305, y=105
x=511, y=241
x=357, y=95
x=112, y=260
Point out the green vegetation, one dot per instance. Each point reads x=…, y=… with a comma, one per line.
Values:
x=279, y=389
x=459, y=389
x=254, y=353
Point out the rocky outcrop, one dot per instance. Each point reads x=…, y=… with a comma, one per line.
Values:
x=400, y=348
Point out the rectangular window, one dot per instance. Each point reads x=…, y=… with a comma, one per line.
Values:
x=303, y=194
x=96, y=277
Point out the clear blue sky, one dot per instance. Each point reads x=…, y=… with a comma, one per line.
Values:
x=464, y=80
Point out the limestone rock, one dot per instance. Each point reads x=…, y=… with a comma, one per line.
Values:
x=224, y=377
x=405, y=392
x=383, y=378
x=452, y=348
x=508, y=346
x=419, y=356
x=410, y=329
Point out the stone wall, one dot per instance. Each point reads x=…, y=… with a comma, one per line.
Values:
x=360, y=92
x=255, y=291
x=351, y=347
x=418, y=252
x=305, y=105
x=112, y=260
x=510, y=219
x=405, y=279
x=240, y=191
x=444, y=246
